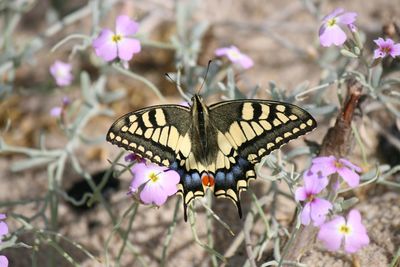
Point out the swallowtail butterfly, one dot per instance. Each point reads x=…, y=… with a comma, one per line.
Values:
x=214, y=146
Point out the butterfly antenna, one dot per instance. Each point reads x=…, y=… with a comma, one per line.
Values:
x=205, y=77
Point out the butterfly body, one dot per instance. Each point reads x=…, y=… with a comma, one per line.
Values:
x=213, y=147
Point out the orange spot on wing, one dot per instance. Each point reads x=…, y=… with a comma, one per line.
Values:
x=208, y=180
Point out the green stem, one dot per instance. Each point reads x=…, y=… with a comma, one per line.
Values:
x=139, y=78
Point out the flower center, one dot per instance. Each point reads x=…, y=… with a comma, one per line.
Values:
x=235, y=54
x=310, y=197
x=331, y=22
x=338, y=164
x=61, y=73
x=116, y=38
x=344, y=229
x=153, y=177
x=386, y=49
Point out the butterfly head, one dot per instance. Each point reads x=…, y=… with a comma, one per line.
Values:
x=198, y=104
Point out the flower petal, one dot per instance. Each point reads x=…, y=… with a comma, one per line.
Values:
x=305, y=216
x=3, y=229
x=56, y=112
x=319, y=209
x=104, y=45
x=3, y=261
x=379, y=42
x=246, y=62
x=350, y=165
x=168, y=182
x=300, y=194
x=351, y=177
x=357, y=238
x=347, y=18
x=314, y=184
x=140, y=173
x=333, y=14
x=2, y=216
x=395, y=50
x=127, y=47
x=332, y=35
x=378, y=53
x=325, y=165
x=125, y=26
x=222, y=51
x=330, y=235
x=153, y=193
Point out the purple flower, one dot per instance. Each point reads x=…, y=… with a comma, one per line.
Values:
x=315, y=208
x=353, y=231
x=109, y=45
x=3, y=261
x=330, y=32
x=235, y=56
x=329, y=165
x=61, y=72
x=385, y=48
x=57, y=111
x=3, y=226
x=3, y=232
x=154, y=183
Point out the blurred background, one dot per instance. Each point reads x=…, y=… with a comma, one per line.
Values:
x=281, y=36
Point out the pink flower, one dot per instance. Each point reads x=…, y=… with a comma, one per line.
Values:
x=3, y=226
x=315, y=208
x=61, y=72
x=385, y=48
x=109, y=45
x=57, y=111
x=154, y=183
x=3, y=232
x=330, y=32
x=353, y=231
x=3, y=261
x=329, y=165
x=235, y=56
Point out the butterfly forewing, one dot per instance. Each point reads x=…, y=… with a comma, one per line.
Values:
x=249, y=130
x=158, y=133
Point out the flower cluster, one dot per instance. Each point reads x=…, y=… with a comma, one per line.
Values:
x=316, y=208
x=331, y=33
x=3, y=232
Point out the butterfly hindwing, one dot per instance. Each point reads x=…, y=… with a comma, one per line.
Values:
x=249, y=130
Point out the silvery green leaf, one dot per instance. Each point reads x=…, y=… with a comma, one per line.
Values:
x=30, y=163
x=376, y=75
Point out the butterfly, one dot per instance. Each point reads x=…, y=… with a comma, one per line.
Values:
x=216, y=146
